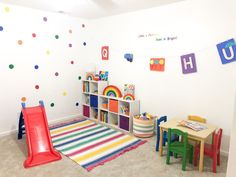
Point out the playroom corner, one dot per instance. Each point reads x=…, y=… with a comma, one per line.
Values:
x=107, y=92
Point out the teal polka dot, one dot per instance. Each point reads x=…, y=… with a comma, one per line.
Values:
x=52, y=104
x=79, y=77
x=56, y=36
x=11, y=66
x=156, y=62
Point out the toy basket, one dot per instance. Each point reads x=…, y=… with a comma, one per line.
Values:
x=143, y=128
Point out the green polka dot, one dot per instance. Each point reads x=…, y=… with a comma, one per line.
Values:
x=11, y=66
x=52, y=104
x=57, y=37
x=79, y=77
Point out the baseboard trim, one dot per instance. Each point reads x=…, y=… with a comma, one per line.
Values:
x=49, y=122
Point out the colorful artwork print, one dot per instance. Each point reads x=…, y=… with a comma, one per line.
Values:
x=227, y=51
x=129, y=89
x=157, y=64
x=90, y=76
x=103, y=75
x=105, y=53
x=129, y=97
x=112, y=91
x=188, y=63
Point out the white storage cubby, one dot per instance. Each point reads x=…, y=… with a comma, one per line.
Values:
x=109, y=110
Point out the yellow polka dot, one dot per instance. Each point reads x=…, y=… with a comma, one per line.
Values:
x=48, y=52
x=161, y=62
x=64, y=93
x=7, y=9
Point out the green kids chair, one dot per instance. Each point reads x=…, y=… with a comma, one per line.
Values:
x=182, y=148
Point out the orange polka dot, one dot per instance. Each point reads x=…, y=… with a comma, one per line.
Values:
x=23, y=99
x=20, y=42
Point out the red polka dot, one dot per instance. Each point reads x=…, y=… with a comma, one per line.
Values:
x=33, y=35
x=72, y=62
x=36, y=86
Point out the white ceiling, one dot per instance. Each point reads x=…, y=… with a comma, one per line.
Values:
x=90, y=9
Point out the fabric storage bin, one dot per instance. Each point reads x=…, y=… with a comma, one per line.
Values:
x=143, y=128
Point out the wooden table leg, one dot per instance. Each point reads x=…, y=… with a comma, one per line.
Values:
x=161, y=142
x=201, y=156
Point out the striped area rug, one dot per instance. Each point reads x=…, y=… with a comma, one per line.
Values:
x=90, y=144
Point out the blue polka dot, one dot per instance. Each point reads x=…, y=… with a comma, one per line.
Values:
x=1, y=28
x=36, y=67
x=84, y=44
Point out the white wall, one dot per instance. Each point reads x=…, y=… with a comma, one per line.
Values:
x=232, y=152
x=18, y=24
x=199, y=26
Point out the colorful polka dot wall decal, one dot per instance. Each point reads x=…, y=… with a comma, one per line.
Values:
x=7, y=9
x=70, y=31
x=11, y=66
x=70, y=45
x=48, y=52
x=64, y=93
x=77, y=104
x=84, y=44
x=37, y=87
x=83, y=25
x=56, y=36
x=20, y=42
x=33, y=35
x=23, y=99
x=36, y=67
x=1, y=28
x=79, y=77
x=52, y=104
x=72, y=62
x=56, y=74
x=45, y=19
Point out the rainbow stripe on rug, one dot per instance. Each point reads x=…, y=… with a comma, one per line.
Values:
x=90, y=144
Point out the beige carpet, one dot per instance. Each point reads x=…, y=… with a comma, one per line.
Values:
x=141, y=162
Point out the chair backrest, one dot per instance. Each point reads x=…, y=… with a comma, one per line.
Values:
x=158, y=122
x=217, y=140
x=196, y=118
x=172, y=132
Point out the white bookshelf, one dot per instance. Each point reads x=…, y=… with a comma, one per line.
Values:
x=108, y=110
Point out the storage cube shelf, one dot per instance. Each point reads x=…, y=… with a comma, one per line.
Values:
x=109, y=110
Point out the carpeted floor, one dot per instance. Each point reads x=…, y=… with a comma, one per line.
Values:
x=141, y=162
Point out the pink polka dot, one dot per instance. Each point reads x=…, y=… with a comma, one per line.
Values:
x=33, y=35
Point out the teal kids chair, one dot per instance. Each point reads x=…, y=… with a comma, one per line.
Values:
x=182, y=148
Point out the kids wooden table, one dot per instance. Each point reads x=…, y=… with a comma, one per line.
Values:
x=200, y=136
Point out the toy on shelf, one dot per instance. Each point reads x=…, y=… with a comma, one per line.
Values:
x=96, y=77
x=90, y=76
x=129, y=91
x=129, y=97
x=105, y=104
x=125, y=109
x=103, y=75
x=112, y=91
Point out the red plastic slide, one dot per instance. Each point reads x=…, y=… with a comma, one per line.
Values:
x=40, y=149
